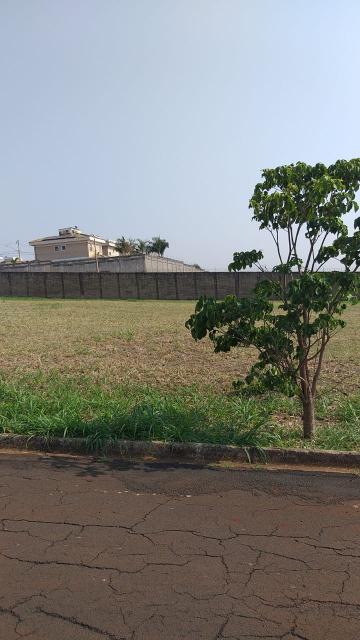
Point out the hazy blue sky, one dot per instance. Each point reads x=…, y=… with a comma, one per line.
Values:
x=146, y=117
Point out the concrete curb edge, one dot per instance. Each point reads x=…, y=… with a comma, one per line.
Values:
x=184, y=451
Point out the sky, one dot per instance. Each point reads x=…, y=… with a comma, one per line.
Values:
x=156, y=117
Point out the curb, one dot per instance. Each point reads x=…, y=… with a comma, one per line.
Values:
x=184, y=451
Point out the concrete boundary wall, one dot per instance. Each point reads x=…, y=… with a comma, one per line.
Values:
x=140, y=263
x=152, y=286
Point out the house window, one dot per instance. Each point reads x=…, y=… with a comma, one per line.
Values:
x=60, y=247
x=56, y=247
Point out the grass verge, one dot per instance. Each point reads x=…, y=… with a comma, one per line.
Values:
x=54, y=405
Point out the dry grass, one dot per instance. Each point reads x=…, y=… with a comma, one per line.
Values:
x=112, y=341
x=141, y=342
x=109, y=369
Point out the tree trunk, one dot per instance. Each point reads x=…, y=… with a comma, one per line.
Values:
x=308, y=415
x=307, y=390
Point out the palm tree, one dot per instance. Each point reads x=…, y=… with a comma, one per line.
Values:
x=133, y=245
x=159, y=245
x=125, y=246
x=142, y=246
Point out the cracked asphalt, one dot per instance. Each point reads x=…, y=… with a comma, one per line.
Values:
x=138, y=550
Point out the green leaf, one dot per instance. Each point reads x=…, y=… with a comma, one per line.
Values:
x=245, y=259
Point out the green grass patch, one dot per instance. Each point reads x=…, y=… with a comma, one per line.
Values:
x=55, y=405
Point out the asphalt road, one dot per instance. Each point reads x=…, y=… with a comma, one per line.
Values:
x=92, y=551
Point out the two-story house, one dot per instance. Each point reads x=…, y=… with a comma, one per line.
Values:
x=71, y=243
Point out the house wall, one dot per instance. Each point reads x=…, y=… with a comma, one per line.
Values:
x=108, y=251
x=74, y=249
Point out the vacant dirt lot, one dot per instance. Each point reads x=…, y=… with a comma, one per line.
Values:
x=139, y=341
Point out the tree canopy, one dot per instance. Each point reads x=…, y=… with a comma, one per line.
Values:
x=130, y=246
x=125, y=246
x=303, y=208
x=158, y=245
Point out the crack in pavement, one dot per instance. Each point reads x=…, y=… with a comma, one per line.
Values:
x=79, y=623
x=176, y=566
x=81, y=565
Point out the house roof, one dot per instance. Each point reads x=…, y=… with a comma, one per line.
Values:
x=70, y=238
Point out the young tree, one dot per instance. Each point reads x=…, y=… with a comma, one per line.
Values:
x=158, y=245
x=302, y=207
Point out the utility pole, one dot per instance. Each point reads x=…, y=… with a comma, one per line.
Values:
x=96, y=255
x=18, y=249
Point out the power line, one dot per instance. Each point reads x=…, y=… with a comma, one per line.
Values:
x=16, y=250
